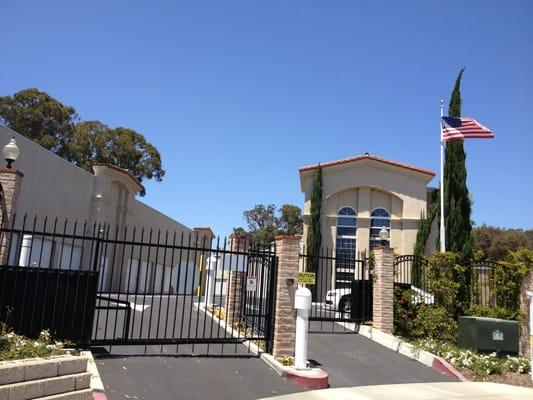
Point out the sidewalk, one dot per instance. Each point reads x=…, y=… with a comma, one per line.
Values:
x=419, y=391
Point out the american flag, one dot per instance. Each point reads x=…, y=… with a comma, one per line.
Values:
x=463, y=128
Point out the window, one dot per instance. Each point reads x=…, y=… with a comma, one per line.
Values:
x=379, y=218
x=345, y=246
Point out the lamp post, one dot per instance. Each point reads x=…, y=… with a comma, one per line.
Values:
x=384, y=236
x=11, y=152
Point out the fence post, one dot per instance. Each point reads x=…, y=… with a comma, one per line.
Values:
x=383, y=287
x=287, y=248
x=525, y=334
x=10, y=182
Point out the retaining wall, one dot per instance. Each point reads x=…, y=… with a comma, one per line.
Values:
x=61, y=377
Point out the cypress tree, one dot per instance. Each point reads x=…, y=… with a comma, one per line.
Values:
x=457, y=207
x=314, y=236
x=424, y=230
x=426, y=221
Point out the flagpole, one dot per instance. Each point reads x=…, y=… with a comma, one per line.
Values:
x=442, y=230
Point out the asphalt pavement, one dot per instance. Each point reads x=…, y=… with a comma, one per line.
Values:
x=354, y=360
x=158, y=372
x=190, y=378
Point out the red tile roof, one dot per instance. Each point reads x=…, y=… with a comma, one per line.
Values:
x=367, y=156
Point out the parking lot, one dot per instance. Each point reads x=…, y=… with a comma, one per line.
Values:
x=186, y=370
x=167, y=324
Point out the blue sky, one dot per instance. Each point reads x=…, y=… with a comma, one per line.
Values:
x=238, y=95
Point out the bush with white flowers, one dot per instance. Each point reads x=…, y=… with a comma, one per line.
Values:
x=517, y=364
x=15, y=347
x=480, y=364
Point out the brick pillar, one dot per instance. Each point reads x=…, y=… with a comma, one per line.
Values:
x=234, y=297
x=527, y=284
x=10, y=181
x=238, y=243
x=287, y=249
x=383, y=317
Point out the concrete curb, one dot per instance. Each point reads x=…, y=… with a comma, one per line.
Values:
x=399, y=346
x=229, y=329
x=312, y=378
x=97, y=385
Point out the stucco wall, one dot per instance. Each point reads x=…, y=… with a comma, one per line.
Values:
x=365, y=185
x=54, y=187
x=51, y=186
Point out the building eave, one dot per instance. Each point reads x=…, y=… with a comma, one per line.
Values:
x=368, y=157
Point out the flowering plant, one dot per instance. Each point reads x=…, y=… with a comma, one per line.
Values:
x=14, y=346
x=480, y=364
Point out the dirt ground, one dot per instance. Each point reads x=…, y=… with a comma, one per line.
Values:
x=510, y=378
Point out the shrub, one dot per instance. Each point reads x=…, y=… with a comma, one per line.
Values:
x=507, y=278
x=404, y=313
x=489, y=312
x=455, y=290
x=447, y=280
x=481, y=365
x=517, y=364
x=421, y=320
x=435, y=322
x=15, y=347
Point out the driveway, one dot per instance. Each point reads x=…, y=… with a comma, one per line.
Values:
x=160, y=372
x=171, y=378
x=354, y=360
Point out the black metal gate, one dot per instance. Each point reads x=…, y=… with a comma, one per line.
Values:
x=166, y=291
x=342, y=290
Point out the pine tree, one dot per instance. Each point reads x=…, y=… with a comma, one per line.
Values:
x=457, y=207
x=314, y=236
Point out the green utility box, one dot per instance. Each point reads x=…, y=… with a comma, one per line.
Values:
x=488, y=334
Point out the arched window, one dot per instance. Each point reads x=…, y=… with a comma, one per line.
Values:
x=345, y=246
x=379, y=218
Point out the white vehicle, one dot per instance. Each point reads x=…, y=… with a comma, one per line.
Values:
x=341, y=299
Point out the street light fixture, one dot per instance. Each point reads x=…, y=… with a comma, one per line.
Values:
x=11, y=152
x=384, y=236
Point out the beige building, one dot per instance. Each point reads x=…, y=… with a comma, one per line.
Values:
x=363, y=194
x=52, y=187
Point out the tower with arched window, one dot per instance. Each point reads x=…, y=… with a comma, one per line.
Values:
x=363, y=195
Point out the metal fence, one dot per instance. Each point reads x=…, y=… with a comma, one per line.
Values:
x=342, y=290
x=485, y=279
x=47, y=282
x=488, y=281
x=123, y=286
